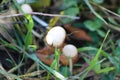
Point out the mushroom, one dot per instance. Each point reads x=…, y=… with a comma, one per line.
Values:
x=70, y=51
x=56, y=36
x=26, y=8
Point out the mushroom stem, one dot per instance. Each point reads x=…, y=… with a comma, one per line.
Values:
x=70, y=65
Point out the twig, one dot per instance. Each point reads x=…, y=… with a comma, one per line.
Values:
x=38, y=13
x=110, y=11
x=113, y=27
x=109, y=25
x=103, y=8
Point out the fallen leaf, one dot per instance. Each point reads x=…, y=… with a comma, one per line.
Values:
x=64, y=60
x=47, y=50
x=78, y=33
x=45, y=58
x=43, y=55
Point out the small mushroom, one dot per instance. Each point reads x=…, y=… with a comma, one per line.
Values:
x=26, y=8
x=56, y=36
x=71, y=52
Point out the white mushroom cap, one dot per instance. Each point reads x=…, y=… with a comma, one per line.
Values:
x=26, y=8
x=70, y=50
x=56, y=36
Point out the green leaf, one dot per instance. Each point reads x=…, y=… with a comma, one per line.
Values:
x=117, y=51
x=68, y=3
x=98, y=70
x=93, y=25
x=118, y=42
x=94, y=36
x=28, y=39
x=109, y=76
x=105, y=70
x=30, y=24
x=112, y=21
x=98, y=22
x=90, y=25
x=97, y=67
x=101, y=33
x=86, y=49
x=65, y=71
x=73, y=11
x=118, y=10
x=116, y=62
x=82, y=49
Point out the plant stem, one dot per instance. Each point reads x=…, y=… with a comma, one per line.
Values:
x=43, y=23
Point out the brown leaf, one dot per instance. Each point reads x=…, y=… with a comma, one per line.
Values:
x=47, y=50
x=45, y=59
x=64, y=60
x=44, y=54
x=78, y=33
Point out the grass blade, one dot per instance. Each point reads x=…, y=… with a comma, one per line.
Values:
x=93, y=11
x=95, y=60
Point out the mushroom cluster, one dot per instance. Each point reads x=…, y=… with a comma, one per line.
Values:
x=55, y=38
